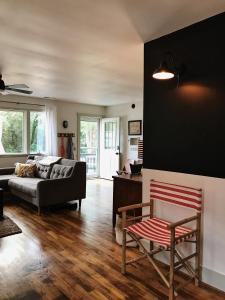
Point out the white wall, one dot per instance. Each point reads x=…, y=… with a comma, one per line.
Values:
x=213, y=218
x=65, y=111
x=126, y=113
x=69, y=111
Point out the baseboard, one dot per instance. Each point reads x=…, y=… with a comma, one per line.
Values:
x=210, y=278
x=213, y=279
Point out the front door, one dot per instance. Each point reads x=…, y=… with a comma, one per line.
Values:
x=110, y=147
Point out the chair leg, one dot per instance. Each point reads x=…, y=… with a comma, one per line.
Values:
x=198, y=271
x=171, y=289
x=123, y=268
x=172, y=254
x=80, y=200
x=151, y=260
x=39, y=210
x=151, y=246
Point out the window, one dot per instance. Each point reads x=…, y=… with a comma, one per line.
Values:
x=11, y=132
x=110, y=141
x=16, y=137
x=37, y=132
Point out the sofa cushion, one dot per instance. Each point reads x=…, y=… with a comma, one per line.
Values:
x=4, y=180
x=25, y=170
x=60, y=171
x=43, y=171
x=25, y=185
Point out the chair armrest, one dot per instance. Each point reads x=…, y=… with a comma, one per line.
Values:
x=7, y=171
x=134, y=206
x=181, y=222
x=183, y=236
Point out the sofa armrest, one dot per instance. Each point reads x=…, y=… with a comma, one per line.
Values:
x=7, y=171
x=53, y=191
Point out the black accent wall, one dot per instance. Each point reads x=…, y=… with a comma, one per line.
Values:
x=184, y=127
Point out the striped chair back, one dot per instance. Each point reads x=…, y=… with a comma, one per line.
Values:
x=176, y=194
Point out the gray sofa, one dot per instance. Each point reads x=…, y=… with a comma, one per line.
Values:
x=65, y=182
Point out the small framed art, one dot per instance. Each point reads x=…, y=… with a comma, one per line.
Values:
x=135, y=127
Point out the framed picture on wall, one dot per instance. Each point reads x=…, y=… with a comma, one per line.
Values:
x=134, y=141
x=135, y=127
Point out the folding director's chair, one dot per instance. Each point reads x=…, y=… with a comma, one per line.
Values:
x=164, y=235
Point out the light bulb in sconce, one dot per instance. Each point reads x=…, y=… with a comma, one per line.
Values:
x=163, y=72
x=168, y=69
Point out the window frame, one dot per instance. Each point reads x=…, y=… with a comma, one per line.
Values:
x=26, y=130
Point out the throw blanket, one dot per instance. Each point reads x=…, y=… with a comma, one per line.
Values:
x=49, y=160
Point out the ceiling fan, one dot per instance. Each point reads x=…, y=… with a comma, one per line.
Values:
x=18, y=88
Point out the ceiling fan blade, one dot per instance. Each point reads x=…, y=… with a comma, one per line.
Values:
x=18, y=90
x=18, y=86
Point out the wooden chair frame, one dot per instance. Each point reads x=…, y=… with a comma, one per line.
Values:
x=182, y=262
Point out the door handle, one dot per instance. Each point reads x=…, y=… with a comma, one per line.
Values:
x=117, y=150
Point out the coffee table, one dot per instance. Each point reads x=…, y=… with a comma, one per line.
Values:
x=7, y=226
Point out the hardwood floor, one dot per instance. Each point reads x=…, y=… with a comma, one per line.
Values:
x=65, y=254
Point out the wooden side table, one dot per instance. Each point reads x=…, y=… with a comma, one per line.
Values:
x=127, y=190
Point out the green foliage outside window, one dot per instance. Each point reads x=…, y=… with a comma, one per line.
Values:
x=37, y=132
x=88, y=137
x=11, y=127
x=12, y=132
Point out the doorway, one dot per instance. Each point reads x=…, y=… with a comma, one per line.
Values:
x=110, y=147
x=88, y=151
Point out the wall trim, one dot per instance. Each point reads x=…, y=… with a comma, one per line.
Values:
x=212, y=220
x=213, y=279
x=210, y=279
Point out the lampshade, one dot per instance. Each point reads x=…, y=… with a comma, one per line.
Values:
x=163, y=72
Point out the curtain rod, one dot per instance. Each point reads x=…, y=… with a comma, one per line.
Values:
x=22, y=103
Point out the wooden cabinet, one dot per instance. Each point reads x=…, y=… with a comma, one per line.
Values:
x=127, y=190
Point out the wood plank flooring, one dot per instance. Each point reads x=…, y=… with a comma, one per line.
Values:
x=65, y=254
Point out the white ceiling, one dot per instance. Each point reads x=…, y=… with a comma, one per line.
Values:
x=88, y=51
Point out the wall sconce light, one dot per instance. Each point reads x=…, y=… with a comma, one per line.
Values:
x=163, y=72
x=167, y=69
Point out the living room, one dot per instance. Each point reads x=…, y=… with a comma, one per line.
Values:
x=91, y=93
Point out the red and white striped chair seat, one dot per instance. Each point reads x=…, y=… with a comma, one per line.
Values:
x=155, y=230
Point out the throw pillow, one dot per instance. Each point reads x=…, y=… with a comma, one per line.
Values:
x=43, y=171
x=60, y=171
x=25, y=170
x=31, y=161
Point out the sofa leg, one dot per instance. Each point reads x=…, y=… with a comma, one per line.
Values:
x=39, y=210
x=80, y=200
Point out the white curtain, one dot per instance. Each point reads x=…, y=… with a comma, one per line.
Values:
x=51, y=129
x=2, y=150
